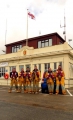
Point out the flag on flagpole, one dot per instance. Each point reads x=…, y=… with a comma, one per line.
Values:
x=31, y=15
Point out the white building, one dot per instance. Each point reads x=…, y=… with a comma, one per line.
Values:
x=45, y=57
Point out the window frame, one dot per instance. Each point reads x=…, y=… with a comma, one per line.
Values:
x=47, y=41
x=51, y=41
x=46, y=66
x=2, y=71
x=39, y=67
x=38, y=44
x=11, y=67
x=28, y=65
x=16, y=48
x=42, y=43
x=21, y=67
x=60, y=63
x=55, y=65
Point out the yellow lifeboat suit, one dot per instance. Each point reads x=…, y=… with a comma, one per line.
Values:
x=50, y=82
x=28, y=81
x=21, y=80
x=13, y=76
x=36, y=80
x=60, y=75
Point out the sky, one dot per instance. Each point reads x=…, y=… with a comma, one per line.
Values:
x=48, y=16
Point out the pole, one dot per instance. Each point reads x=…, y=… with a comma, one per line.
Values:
x=27, y=30
x=6, y=32
x=6, y=29
x=64, y=26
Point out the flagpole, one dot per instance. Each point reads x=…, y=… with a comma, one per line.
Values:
x=27, y=30
x=6, y=33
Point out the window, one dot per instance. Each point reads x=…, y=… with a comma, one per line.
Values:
x=2, y=71
x=39, y=67
x=16, y=48
x=60, y=63
x=46, y=66
x=11, y=67
x=43, y=43
x=12, y=49
x=35, y=65
x=50, y=42
x=39, y=44
x=28, y=66
x=55, y=66
x=20, y=67
x=20, y=46
x=46, y=43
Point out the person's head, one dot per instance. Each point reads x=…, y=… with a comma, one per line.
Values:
x=35, y=67
x=27, y=69
x=22, y=69
x=13, y=70
x=49, y=69
x=59, y=67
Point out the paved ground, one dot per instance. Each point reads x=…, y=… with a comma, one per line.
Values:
x=20, y=106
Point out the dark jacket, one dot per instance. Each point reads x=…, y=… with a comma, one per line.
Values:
x=13, y=74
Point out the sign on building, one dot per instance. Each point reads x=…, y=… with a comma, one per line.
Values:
x=3, y=64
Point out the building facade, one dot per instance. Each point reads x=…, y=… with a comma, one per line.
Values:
x=50, y=56
x=36, y=42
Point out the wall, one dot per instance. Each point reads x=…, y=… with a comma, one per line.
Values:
x=8, y=49
x=59, y=40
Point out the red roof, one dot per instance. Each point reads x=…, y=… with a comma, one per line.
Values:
x=38, y=37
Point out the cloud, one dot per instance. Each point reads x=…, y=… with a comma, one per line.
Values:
x=59, y=2
x=36, y=6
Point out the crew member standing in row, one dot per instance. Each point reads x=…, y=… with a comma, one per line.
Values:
x=13, y=76
x=21, y=80
x=36, y=80
x=60, y=80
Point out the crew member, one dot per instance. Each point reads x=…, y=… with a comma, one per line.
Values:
x=13, y=76
x=36, y=79
x=50, y=81
x=60, y=75
x=21, y=80
x=28, y=80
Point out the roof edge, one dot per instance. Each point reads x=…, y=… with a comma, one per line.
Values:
x=37, y=37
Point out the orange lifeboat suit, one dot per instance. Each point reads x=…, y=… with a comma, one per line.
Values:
x=60, y=75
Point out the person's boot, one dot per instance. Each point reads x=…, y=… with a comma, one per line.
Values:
x=9, y=91
x=17, y=91
x=64, y=93
x=25, y=91
x=56, y=93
